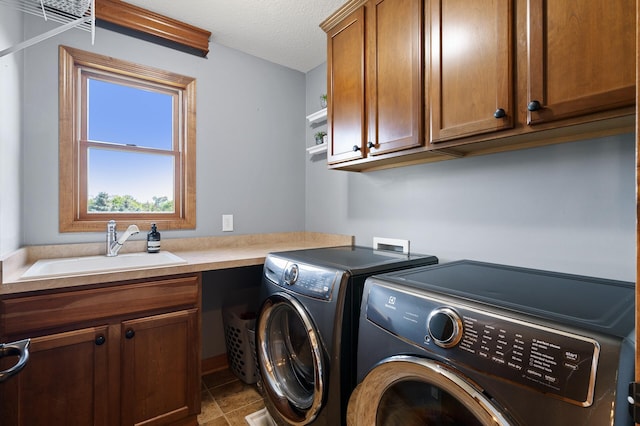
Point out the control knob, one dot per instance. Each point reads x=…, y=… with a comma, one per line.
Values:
x=291, y=274
x=445, y=327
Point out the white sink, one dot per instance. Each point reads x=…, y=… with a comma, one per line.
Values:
x=94, y=264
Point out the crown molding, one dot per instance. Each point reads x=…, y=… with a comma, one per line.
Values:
x=145, y=24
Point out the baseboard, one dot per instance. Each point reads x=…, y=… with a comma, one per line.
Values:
x=213, y=364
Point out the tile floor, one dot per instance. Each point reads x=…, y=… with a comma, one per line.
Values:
x=226, y=400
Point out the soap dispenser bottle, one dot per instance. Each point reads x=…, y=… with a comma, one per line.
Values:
x=153, y=240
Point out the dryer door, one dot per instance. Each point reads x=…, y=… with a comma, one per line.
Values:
x=406, y=391
x=291, y=360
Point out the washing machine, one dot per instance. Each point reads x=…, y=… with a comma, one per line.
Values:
x=306, y=330
x=473, y=343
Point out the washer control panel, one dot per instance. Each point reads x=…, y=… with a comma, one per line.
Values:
x=309, y=280
x=542, y=358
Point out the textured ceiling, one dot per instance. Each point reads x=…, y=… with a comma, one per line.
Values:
x=282, y=31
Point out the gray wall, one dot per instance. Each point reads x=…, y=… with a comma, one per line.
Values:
x=250, y=151
x=11, y=67
x=250, y=122
x=568, y=207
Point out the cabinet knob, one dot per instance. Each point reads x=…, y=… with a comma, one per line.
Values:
x=129, y=334
x=356, y=148
x=500, y=113
x=534, y=106
x=100, y=340
x=371, y=145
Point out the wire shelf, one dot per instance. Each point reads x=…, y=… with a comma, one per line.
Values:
x=78, y=14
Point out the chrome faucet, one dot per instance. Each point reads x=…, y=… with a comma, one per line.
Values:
x=114, y=244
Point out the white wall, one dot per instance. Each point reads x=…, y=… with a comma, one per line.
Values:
x=11, y=67
x=250, y=125
x=568, y=207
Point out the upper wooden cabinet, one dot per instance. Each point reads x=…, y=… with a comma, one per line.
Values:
x=473, y=77
x=394, y=75
x=580, y=58
x=471, y=67
x=375, y=82
x=346, y=85
x=505, y=70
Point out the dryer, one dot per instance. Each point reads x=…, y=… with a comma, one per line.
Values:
x=483, y=344
x=306, y=330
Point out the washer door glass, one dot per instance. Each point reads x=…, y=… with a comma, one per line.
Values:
x=405, y=391
x=409, y=403
x=291, y=359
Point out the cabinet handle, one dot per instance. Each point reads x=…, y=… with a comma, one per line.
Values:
x=129, y=334
x=500, y=113
x=534, y=106
x=356, y=148
x=100, y=340
x=371, y=145
x=18, y=350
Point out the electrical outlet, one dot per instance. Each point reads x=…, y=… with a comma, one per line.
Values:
x=227, y=223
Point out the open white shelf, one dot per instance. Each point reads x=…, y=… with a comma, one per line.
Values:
x=317, y=149
x=317, y=116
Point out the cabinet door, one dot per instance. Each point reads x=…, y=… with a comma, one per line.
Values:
x=346, y=85
x=471, y=67
x=581, y=57
x=63, y=383
x=160, y=368
x=394, y=74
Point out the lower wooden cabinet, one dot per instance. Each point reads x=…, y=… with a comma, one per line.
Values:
x=139, y=367
x=160, y=369
x=65, y=381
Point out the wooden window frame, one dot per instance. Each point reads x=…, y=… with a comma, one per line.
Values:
x=74, y=67
x=85, y=144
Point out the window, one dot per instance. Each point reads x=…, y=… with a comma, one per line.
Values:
x=127, y=144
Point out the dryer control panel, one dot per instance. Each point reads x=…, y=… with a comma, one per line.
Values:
x=301, y=278
x=548, y=360
x=309, y=280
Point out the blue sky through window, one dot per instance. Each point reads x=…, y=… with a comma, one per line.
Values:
x=128, y=115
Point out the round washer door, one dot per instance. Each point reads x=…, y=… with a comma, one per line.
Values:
x=291, y=360
x=407, y=391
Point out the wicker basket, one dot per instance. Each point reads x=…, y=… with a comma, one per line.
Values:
x=73, y=7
